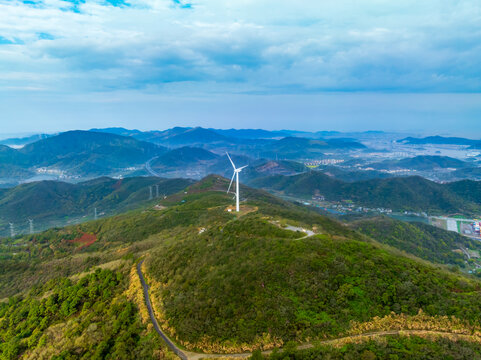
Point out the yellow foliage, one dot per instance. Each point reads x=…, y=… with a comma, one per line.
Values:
x=135, y=294
x=421, y=321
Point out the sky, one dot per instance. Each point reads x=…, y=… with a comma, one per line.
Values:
x=411, y=66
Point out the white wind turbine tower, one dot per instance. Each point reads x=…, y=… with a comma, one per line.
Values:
x=236, y=175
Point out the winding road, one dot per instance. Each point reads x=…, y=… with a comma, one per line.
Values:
x=187, y=355
x=148, y=167
x=169, y=343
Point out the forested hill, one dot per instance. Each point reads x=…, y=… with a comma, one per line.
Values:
x=82, y=152
x=50, y=201
x=438, y=140
x=400, y=193
x=422, y=240
x=422, y=163
x=219, y=281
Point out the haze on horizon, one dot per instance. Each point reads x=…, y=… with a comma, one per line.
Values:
x=153, y=64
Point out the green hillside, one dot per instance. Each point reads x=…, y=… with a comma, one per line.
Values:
x=79, y=153
x=421, y=163
x=76, y=150
x=90, y=318
x=48, y=202
x=237, y=286
x=398, y=193
x=256, y=168
x=181, y=157
x=9, y=156
x=353, y=175
x=422, y=240
x=298, y=148
x=438, y=140
x=183, y=136
x=14, y=171
x=473, y=173
x=219, y=281
x=196, y=135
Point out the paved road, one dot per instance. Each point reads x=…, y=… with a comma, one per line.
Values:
x=149, y=168
x=305, y=231
x=169, y=343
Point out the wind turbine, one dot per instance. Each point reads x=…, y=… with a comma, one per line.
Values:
x=236, y=175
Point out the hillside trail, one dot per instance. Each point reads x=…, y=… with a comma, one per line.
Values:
x=188, y=355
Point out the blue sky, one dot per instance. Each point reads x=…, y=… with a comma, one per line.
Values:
x=322, y=65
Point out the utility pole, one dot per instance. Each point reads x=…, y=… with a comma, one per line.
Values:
x=12, y=230
x=30, y=225
x=150, y=196
x=156, y=191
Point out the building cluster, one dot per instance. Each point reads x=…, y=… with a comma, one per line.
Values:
x=417, y=214
x=49, y=171
x=476, y=227
x=345, y=206
x=316, y=163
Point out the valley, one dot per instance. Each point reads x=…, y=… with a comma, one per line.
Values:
x=319, y=255
x=341, y=168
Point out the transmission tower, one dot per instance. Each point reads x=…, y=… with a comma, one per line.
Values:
x=30, y=225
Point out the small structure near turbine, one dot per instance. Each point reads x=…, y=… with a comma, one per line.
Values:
x=236, y=175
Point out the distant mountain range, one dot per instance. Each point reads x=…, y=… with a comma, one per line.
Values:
x=115, y=151
x=194, y=152
x=295, y=147
x=287, y=143
x=226, y=133
x=75, y=148
x=183, y=156
x=198, y=162
x=177, y=137
x=398, y=193
x=25, y=140
x=440, y=140
x=78, y=153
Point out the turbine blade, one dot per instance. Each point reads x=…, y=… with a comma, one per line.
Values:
x=239, y=169
x=230, y=160
x=231, y=180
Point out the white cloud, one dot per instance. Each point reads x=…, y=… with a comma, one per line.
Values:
x=259, y=46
